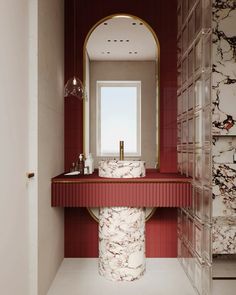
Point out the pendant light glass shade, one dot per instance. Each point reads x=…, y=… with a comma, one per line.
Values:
x=74, y=87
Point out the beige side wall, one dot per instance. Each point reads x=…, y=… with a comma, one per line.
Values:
x=14, y=108
x=143, y=71
x=50, y=137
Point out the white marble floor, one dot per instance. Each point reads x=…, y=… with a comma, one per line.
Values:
x=164, y=276
x=79, y=276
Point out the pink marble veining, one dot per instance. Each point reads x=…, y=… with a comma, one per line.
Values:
x=224, y=235
x=121, y=169
x=122, y=243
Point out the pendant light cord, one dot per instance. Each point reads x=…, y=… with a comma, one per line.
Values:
x=74, y=86
x=74, y=38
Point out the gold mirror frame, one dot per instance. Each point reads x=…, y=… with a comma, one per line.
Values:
x=157, y=68
x=157, y=85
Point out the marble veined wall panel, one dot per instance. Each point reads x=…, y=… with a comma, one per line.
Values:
x=224, y=190
x=224, y=67
x=224, y=235
x=224, y=177
x=223, y=149
x=224, y=195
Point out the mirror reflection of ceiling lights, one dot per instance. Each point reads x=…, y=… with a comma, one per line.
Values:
x=121, y=38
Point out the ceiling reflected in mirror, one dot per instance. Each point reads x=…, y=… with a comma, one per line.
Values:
x=122, y=38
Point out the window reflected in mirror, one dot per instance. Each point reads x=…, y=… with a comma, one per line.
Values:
x=118, y=117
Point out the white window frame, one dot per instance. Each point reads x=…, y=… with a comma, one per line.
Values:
x=100, y=84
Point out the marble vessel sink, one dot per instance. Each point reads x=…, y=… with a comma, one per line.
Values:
x=121, y=169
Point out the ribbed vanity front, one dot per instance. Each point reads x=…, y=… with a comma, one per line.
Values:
x=154, y=190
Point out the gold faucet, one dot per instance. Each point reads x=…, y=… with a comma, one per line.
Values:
x=121, y=150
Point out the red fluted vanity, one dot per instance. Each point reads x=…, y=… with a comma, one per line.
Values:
x=154, y=190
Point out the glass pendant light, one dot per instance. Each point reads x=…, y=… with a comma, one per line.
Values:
x=74, y=86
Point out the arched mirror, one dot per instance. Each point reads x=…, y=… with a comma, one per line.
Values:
x=121, y=77
x=121, y=73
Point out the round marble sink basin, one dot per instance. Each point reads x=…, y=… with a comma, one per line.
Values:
x=121, y=169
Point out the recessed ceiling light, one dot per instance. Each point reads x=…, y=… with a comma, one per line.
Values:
x=140, y=24
x=115, y=40
x=135, y=52
x=108, y=52
x=109, y=40
x=134, y=24
x=105, y=24
x=130, y=52
x=127, y=40
x=121, y=40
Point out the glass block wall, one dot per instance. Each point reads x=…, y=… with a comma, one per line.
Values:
x=207, y=134
x=194, y=92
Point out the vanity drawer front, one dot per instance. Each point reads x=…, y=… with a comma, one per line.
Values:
x=92, y=191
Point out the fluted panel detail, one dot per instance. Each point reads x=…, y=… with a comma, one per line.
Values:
x=98, y=194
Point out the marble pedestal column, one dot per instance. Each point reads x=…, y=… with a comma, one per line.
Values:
x=122, y=243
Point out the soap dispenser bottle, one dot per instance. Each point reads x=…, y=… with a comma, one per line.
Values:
x=89, y=162
x=81, y=164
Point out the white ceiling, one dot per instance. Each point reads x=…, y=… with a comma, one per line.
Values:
x=122, y=38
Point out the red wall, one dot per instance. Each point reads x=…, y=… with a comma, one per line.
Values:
x=161, y=15
x=81, y=234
